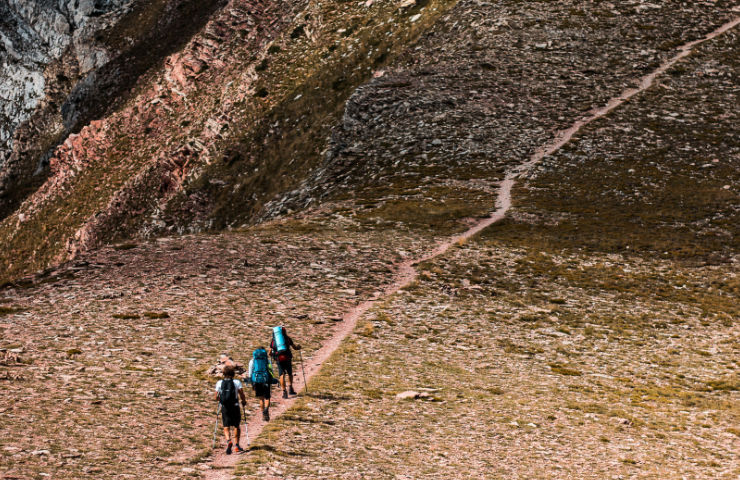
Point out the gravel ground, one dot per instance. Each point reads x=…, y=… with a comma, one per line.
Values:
x=103, y=361
x=542, y=349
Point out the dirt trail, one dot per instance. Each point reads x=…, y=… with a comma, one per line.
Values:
x=406, y=272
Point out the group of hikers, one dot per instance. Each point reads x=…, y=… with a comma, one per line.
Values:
x=230, y=390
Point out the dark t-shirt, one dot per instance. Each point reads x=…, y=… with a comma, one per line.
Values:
x=288, y=342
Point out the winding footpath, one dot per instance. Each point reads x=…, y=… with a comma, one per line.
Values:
x=222, y=465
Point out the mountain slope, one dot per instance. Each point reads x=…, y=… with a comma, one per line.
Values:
x=181, y=153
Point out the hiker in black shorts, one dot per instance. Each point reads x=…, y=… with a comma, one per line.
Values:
x=227, y=391
x=280, y=350
x=260, y=375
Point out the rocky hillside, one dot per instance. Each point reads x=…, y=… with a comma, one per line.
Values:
x=67, y=63
x=205, y=137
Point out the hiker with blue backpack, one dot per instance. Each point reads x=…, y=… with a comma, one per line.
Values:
x=260, y=375
x=227, y=392
x=280, y=350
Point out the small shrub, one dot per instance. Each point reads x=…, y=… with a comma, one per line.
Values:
x=563, y=370
x=126, y=316
x=262, y=66
x=725, y=385
x=9, y=310
x=367, y=329
x=156, y=315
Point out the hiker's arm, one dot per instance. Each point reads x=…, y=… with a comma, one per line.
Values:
x=215, y=396
x=241, y=394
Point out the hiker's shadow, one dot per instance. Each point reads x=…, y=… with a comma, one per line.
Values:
x=271, y=449
x=298, y=419
x=326, y=396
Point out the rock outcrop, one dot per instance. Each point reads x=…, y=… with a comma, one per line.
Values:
x=66, y=63
x=34, y=36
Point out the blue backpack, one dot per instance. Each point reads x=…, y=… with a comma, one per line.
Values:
x=260, y=367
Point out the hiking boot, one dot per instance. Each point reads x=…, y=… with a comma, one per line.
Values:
x=291, y=391
x=228, y=449
x=285, y=394
x=238, y=449
x=266, y=414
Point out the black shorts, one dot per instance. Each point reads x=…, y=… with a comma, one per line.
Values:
x=285, y=367
x=231, y=415
x=262, y=390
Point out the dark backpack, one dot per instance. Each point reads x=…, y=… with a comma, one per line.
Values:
x=260, y=368
x=227, y=395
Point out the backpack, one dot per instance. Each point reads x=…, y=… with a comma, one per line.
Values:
x=227, y=395
x=260, y=369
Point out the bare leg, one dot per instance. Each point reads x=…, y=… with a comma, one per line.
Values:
x=238, y=434
x=227, y=434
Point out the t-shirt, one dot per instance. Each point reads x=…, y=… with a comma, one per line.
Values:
x=237, y=384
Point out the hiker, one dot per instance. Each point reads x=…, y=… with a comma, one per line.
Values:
x=280, y=350
x=260, y=375
x=227, y=391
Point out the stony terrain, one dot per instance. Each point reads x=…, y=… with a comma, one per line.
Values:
x=111, y=378
x=591, y=334
x=563, y=342
x=489, y=84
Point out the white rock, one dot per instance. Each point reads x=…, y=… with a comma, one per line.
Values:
x=407, y=395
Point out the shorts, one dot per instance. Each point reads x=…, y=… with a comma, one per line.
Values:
x=231, y=416
x=285, y=367
x=262, y=390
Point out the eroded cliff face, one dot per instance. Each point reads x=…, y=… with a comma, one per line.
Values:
x=236, y=115
x=66, y=63
x=34, y=34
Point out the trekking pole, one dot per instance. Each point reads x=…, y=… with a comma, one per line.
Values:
x=215, y=428
x=246, y=426
x=305, y=384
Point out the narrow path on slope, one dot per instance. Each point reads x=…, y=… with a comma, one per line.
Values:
x=406, y=272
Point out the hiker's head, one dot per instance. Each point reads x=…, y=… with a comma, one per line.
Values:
x=229, y=371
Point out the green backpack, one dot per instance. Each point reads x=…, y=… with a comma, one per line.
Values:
x=260, y=367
